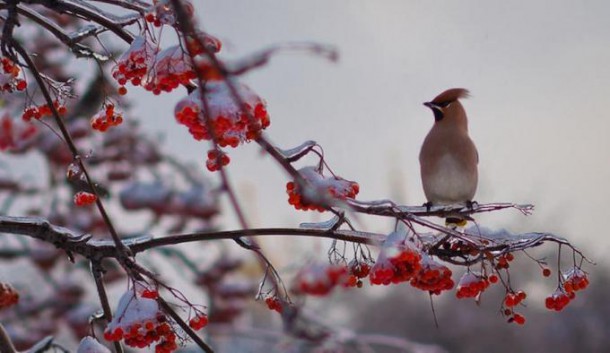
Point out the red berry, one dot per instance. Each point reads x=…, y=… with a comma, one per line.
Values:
x=83, y=198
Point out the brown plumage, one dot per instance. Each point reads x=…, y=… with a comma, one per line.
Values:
x=448, y=157
x=451, y=95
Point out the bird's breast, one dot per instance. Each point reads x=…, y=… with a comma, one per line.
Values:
x=449, y=180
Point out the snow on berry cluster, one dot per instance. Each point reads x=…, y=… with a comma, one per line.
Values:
x=132, y=65
x=319, y=190
x=574, y=280
x=143, y=64
x=41, y=111
x=10, y=80
x=231, y=125
x=16, y=134
x=106, y=118
x=399, y=261
x=170, y=69
x=319, y=279
x=471, y=285
x=139, y=322
x=433, y=276
x=8, y=296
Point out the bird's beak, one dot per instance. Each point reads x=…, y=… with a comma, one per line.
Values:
x=429, y=104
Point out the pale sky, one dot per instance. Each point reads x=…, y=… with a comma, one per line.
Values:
x=538, y=72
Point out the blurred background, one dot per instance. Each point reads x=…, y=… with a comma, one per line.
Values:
x=538, y=75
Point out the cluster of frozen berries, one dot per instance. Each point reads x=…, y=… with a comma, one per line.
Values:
x=199, y=321
x=216, y=160
x=432, y=277
x=357, y=270
x=106, y=118
x=230, y=123
x=140, y=323
x=472, y=284
x=170, y=69
x=511, y=300
x=41, y=111
x=320, y=187
x=574, y=280
x=9, y=77
x=396, y=264
x=132, y=65
x=163, y=71
x=319, y=279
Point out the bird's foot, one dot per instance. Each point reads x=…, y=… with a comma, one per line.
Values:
x=428, y=205
x=470, y=204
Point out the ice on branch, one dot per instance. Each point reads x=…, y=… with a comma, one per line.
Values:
x=91, y=345
x=326, y=225
x=319, y=192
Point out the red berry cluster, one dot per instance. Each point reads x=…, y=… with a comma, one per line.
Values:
x=357, y=270
x=513, y=299
x=432, y=277
x=503, y=260
x=133, y=64
x=106, y=118
x=471, y=285
x=274, y=303
x=199, y=321
x=230, y=123
x=39, y=112
x=395, y=264
x=213, y=159
x=8, y=296
x=575, y=280
x=319, y=279
x=559, y=300
x=139, y=323
x=197, y=43
x=333, y=187
x=14, y=133
x=171, y=68
x=516, y=318
x=83, y=198
x=9, y=77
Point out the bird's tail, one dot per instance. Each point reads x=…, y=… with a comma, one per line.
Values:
x=454, y=222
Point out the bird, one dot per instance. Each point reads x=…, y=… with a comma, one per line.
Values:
x=449, y=158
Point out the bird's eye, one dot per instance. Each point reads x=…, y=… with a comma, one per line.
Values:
x=443, y=104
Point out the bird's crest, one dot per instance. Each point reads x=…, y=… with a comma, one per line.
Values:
x=451, y=95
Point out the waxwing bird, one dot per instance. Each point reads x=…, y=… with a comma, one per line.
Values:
x=448, y=158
